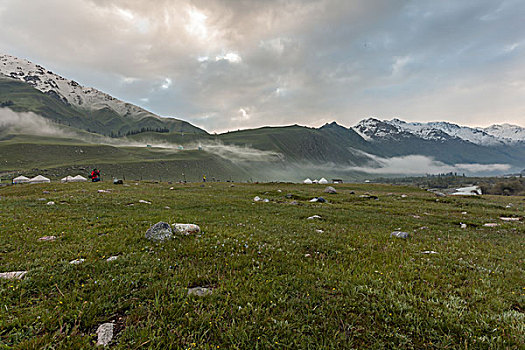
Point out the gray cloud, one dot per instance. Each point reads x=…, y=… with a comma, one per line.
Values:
x=226, y=64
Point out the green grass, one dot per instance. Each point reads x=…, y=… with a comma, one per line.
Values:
x=359, y=288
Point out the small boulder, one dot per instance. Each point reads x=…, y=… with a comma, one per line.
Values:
x=313, y=217
x=321, y=200
x=77, y=261
x=50, y=203
x=399, y=234
x=199, y=291
x=47, y=238
x=330, y=190
x=13, y=275
x=490, y=224
x=112, y=258
x=429, y=252
x=144, y=202
x=257, y=199
x=159, y=232
x=186, y=229
x=118, y=181
x=105, y=333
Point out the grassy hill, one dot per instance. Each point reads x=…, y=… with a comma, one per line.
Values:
x=276, y=281
x=22, y=97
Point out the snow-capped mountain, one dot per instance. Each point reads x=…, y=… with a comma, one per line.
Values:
x=496, y=135
x=67, y=90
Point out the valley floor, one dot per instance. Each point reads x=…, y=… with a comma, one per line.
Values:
x=278, y=279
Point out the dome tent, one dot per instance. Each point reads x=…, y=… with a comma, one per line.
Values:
x=323, y=181
x=307, y=181
x=67, y=179
x=20, y=180
x=79, y=178
x=39, y=180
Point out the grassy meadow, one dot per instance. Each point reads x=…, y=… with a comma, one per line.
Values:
x=278, y=282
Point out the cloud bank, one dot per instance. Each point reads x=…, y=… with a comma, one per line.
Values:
x=225, y=64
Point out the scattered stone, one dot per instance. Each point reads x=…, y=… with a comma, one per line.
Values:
x=429, y=252
x=41, y=199
x=112, y=258
x=307, y=255
x=118, y=182
x=319, y=231
x=289, y=196
x=294, y=203
x=13, y=275
x=46, y=192
x=47, y=238
x=351, y=192
x=144, y=202
x=330, y=190
x=159, y=232
x=77, y=261
x=313, y=200
x=257, y=199
x=416, y=216
x=172, y=188
x=186, y=229
x=463, y=225
x=464, y=213
x=490, y=224
x=321, y=200
x=166, y=207
x=399, y=234
x=50, y=203
x=103, y=191
x=508, y=206
x=368, y=196
x=266, y=200
x=404, y=196
x=105, y=333
x=279, y=191
x=509, y=219
x=313, y=217
x=199, y=291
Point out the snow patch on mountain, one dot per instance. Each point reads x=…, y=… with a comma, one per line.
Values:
x=68, y=91
x=496, y=135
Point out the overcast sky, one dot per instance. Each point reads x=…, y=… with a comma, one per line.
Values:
x=230, y=64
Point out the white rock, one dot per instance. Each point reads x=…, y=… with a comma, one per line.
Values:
x=307, y=255
x=257, y=199
x=112, y=258
x=105, y=333
x=77, y=261
x=159, y=232
x=266, y=200
x=404, y=196
x=429, y=252
x=399, y=234
x=490, y=224
x=172, y=188
x=13, y=275
x=313, y=217
x=102, y=191
x=186, y=229
x=199, y=291
x=166, y=207
x=50, y=203
x=319, y=231
x=509, y=219
x=47, y=238
x=144, y=202
x=279, y=191
x=464, y=213
x=313, y=200
x=463, y=225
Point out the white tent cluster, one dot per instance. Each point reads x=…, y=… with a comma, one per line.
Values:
x=323, y=181
x=35, y=180
x=78, y=178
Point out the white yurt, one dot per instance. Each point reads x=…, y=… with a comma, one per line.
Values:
x=307, y=181
x=323, y=181
x=315, y=181
x=67, y=179
x=79, y=178
x=39, y=180
x=20, y=180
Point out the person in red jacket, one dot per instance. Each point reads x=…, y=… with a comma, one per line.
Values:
x=95, y=175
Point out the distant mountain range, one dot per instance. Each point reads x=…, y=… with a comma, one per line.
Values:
x=28, y=87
